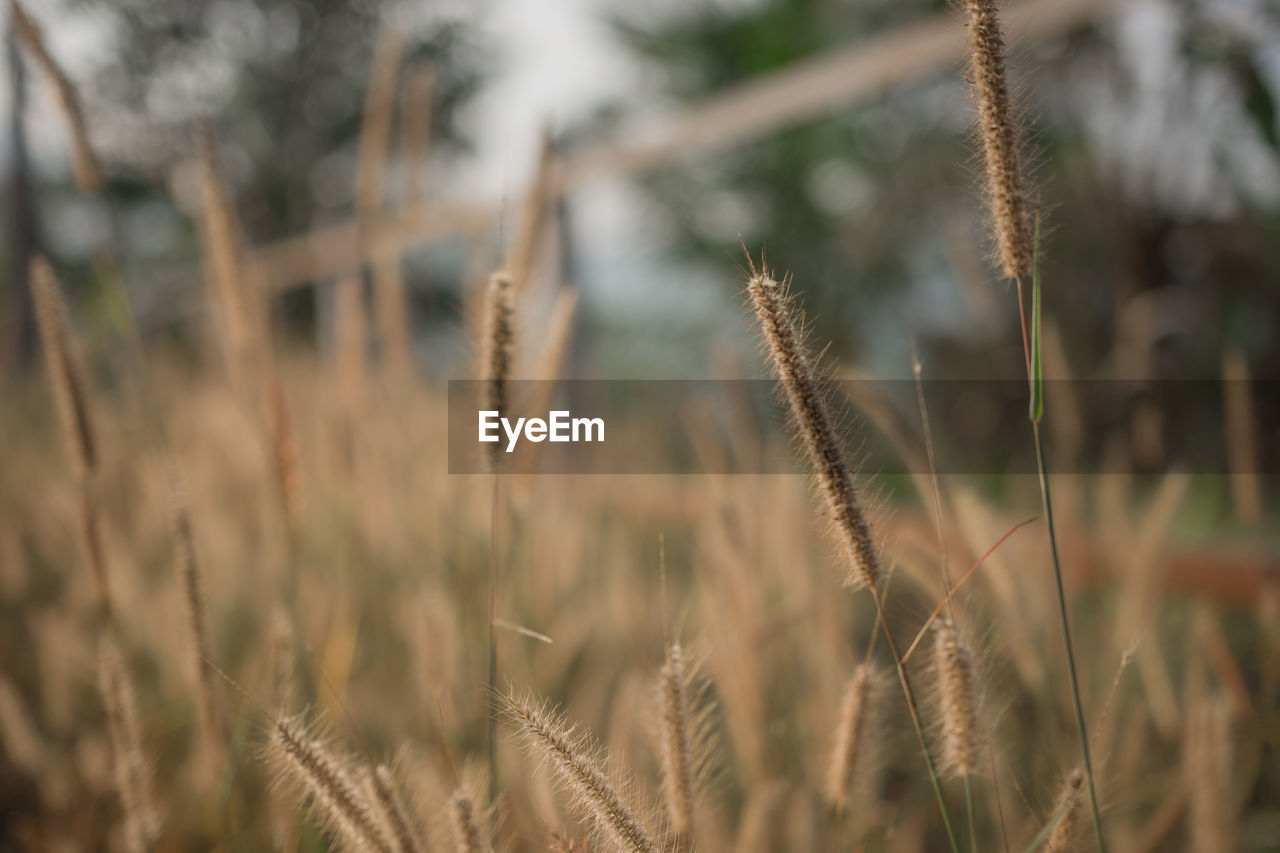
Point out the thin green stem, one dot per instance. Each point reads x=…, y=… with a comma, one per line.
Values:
x=1032, y=343
x=492, y=729
x=968, y=807
x=1047, y=500
x=914, y=712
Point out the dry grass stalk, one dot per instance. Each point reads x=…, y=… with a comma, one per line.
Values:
x=813, y=423
x=350, y=340
x=84, y=163
x=958, y=701
x=468, y=837
x=577, y=768
x=65, y=370
x=284, y=449
x=524, y=253
x=402, y=831
x=499, y=340
x=18, y=736
x=375, y=129
x=66, y=377
x=392, y=309
x=762, y=825
x=220, y=233
x=854, y=748
x=306, y=762
x=998, y=132
x=418, y=100
x=282, y=662
x=133, y=771
x=94, y=553
x=679, y=771
x=1069, y=811
x=550, y=365
x=197, y=619
x=1208, y=765
x=1242, y=444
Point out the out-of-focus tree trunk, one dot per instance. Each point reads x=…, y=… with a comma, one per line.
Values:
x=17, y=344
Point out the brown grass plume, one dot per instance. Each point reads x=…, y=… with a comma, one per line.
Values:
x=337, y=801
x=402, y=831
x=65, y=370
x=468, y=837
x=1069, y=812
x=679, y=763
x=854, y=749
x=197, y=619
x=499, y=340
x=133, y=770
x=84, y=162
x=577, y=768
x=220, y=233
x=958, y=701
x=998, y=132
x=807, y=404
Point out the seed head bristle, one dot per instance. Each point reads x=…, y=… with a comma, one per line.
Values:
x=65, y=371
x=961, y=734
x=468, y=837
x=84, y=162
x=853, y=752
x=814, y=425
x=998, y=132
x=1069, y=810
x=575, y=766
x=402, y=831
x=499, y=339
x=336, y=799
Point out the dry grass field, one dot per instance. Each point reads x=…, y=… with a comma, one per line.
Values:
x=244, y=605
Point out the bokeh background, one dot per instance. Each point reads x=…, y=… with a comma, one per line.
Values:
x=1152, y=127
x=655, y=141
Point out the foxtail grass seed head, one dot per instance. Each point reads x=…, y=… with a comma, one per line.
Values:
x=1069, y=811
x=468, y=837
x=998, y=132
x=402, y=831
x=572, y=758
x=678, y=761
x=499, y=340
x=197, y=620
x=853, y=752
x=812, y=421
x=133, y=769
x=84, y=162
x=65, y=371
x=957, y=694
x=220, y=233
x=307, y=762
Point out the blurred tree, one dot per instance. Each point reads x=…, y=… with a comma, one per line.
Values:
x=283, y=83
x=1155, y=138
